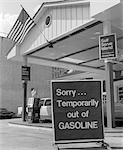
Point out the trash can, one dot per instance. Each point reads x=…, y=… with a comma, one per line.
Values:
x=33, y=110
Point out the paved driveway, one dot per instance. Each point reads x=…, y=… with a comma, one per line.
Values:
x=16, y=137
x=20, y=138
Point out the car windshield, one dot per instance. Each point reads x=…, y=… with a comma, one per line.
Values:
x=48, y=102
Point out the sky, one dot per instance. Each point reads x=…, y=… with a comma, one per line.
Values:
x=10, y=9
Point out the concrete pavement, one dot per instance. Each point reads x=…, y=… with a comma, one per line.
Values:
x=114, y=137
x=16, y=138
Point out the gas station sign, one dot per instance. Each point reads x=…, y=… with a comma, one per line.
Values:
x=77, y=110
x=25, y=73
x=107, y=46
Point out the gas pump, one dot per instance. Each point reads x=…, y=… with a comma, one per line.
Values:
x=33, y=108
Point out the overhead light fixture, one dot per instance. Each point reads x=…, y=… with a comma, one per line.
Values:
x=93, y=38
x=97, y=33
x=68, y=59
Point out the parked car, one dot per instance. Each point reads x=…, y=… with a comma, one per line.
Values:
x=45, y=109
x=46, y=114
x=5, y=114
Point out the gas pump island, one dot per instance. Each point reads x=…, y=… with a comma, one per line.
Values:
x=77, y=112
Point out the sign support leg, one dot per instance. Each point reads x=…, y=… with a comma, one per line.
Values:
x=56, y=147
x=104, y=145
x=24, y=101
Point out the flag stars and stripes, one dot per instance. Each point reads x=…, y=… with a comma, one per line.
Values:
x=21, y=27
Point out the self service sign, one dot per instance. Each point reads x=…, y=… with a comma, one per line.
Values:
x=108, y=46
x=77, y=111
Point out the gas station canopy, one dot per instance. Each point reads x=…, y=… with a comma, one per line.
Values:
x=71, y=40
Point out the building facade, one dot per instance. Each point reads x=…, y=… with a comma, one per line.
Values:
x=11, y=85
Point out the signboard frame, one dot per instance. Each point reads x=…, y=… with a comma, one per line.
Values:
x=25, y=77
x=114, y=47
x=53, y=123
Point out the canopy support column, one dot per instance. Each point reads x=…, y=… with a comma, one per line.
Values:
x=109, y=83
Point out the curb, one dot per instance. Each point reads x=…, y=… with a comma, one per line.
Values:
x=30, y=126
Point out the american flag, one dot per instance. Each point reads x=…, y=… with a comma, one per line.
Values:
x=21, y=27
